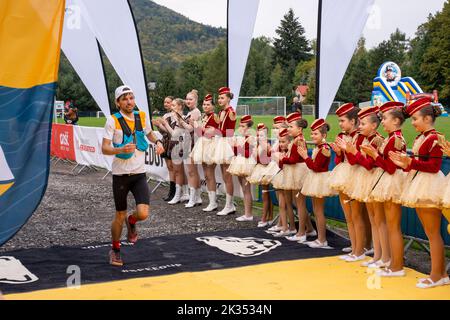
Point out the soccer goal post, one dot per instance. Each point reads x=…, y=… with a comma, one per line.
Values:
x=260, y=106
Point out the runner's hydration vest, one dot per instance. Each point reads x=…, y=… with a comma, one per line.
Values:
x=137, y=136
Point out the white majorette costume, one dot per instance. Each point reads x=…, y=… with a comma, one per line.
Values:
x=195, y=116
x=317, y=182
x=243, y=162
x=277, y=180
x=366, y=174
x=389, y=185
x=262, y=154
x=273, y=168
x=340, y=176
x=294, y=167
x=425, y=182
x=6, y=176
x=223, y=152
x=204, y=147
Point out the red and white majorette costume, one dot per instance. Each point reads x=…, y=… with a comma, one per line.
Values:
x=277, y=180
x=317, y=182
x=294, y=167
x=227, y=122
x=340, y=176
x=204, y=147
x=273, y=168
x=262, y=154
x=424, y=187
x=243, y=162
x=389, y=185
x=365, y=173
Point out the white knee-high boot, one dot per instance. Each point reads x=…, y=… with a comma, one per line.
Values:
x=176, y=198
x=212, y=202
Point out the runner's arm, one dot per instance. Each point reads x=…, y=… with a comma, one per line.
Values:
x=109, y=150
x=154, y=139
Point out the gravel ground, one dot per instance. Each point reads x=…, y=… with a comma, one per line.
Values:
x=78, y=209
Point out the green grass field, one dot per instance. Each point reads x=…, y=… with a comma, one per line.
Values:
x=442, y=125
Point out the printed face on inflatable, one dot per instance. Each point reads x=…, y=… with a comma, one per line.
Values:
x=391, y=73
x=242, y=247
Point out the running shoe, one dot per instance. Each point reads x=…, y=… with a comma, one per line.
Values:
x=115, y=259
x=132, y=235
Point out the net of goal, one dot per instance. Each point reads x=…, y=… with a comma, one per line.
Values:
x=259, y=106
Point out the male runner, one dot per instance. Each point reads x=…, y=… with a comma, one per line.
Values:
x=124, y=137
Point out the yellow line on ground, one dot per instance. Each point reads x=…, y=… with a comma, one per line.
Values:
x=322, y=278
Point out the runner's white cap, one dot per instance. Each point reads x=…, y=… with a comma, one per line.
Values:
x=122, y=90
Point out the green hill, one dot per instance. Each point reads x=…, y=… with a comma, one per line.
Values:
x=168, y=37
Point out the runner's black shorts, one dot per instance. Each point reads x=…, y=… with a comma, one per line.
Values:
x=136, y=183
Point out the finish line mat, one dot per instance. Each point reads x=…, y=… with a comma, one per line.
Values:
x=57, y=267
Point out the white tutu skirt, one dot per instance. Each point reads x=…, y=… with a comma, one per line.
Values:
x=223, y=152
x=203, y=151
x=363, y=183
x=317, y=184
x=277, y=181
x=340, y=177
x=389, y=187
x=423, y=190
x=446, y=198
x=257, y=174
x=294, y=175
x=270, y=171
x=241, y=166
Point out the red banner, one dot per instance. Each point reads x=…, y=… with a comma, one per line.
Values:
x=62, y=142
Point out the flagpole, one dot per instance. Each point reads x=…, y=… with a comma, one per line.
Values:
x=111, y=110
x=319, y=31
x=143, y=65
x=228, y=43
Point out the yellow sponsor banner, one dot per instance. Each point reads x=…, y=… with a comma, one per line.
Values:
x=30, y=33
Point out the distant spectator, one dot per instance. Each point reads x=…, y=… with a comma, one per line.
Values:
x=296, y=105
x=70, y=113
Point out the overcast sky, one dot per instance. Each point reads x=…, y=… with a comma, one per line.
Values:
x=386, y=15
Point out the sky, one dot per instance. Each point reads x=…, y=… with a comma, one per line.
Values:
x=386, y=15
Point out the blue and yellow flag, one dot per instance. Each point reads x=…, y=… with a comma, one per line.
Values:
x=30, y=36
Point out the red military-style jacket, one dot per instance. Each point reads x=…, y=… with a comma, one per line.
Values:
x=395, y=142
x=263, y=156
x=209, y=121
x=375, y=140
x=427, y=153
x=356, y=139
x=293, y=157
x=321, y=158
x=227, y=123
x=245, y=150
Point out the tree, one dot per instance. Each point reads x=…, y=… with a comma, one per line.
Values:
x=215, y=72
x=356, y=85
x=165, y=86
x=190, y=75
x=435, y=67
x=395, y=49
x=257, y=79
x=280, y=84
x=291, y=45
x=304, y=71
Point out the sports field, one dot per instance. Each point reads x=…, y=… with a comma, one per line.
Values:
x=442, y=125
